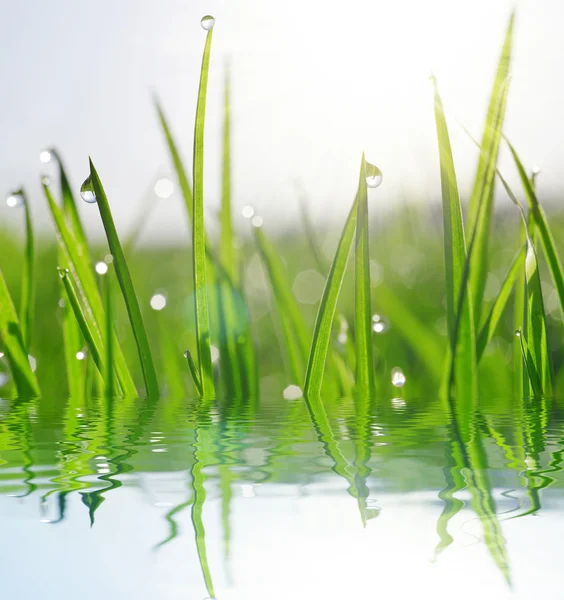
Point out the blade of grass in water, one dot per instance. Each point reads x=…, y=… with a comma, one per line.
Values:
x=541, y=224
x=193, y=371
x=201, y=302
x=109, y=339
x=14, y=346
x=530, y=365
x=91, y=336
x=363, y=314
x=126, y=285
x=83, y=274
x=482, y=199
x=462, y=364
x=326, y=314
x=500, y=303
x=27, y=297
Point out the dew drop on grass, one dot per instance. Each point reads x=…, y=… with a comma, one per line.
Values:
x=80, y=355
x=15, y=199
x=248, y=211
x=164, y=188
x=45, y=156
x=517, y=333
x=45, y=180
x=214, y=354
x=292, y=392
x=398, y=377
x=87, y=191
x=101, y=268
x=207, y=22
x=257, y=221
x=32, y=363
x=379, y=324
x=373, y=176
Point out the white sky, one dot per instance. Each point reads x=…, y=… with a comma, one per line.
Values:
x=314, y=83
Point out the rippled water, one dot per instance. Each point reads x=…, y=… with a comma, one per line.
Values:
x=172, y=499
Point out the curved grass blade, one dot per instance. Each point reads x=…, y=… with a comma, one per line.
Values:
x=81, y=268
x=363, y=314
x=541, y=225
x=27, y=297
x=201, y=302
x=481, y=202
x=326, y=314
x=14, y=346
x=462, y=365
x=91, y=336
x=126, y=285
x=293, y=324
x=193, y=371
x=500, y=303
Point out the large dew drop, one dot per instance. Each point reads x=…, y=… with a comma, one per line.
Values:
x=373, y=176
x=87, y=191
x=15, y=199
x=207, y=22
x=398, y=377
x=45, y=156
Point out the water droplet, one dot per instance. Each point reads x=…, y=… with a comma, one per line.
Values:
x=81, y=355
x=101, y=268
x=518, y=333
x=292, y=392
x=15, y=199
x=158, y=302
x=61, y=302
x=379, y=324
x=108, y=259
x=257, y=221
x=164, y=188
x=32, y=362
x=1, y=355
x=45, y=156
x=398, y=377
x=62, y=274
x=45, y=180
x=248, y=211
x=207, y=22
x=536, y=169
x=373, y=176
x=87, y=191
x=214, y=354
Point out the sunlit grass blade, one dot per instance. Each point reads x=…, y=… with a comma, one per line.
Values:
x=79, y=263
x=92, y=337
x=109, y=338
x=530, y=365
x=177, y=161
x=542, y=226
x=363, y=313
x=201, y=301
x=496, y=311
x=27, y=296
x=462, y=364
x=126, y=285
x=193, y=371
x=14, y=345
x=482, y=199
x=321, y=339
x=293, y=323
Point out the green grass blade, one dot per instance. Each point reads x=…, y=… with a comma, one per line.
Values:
x=293, y=324
x=500, y=303
x=126, y=285
x=14, y=346
x=109, y=339
x=324, y=323
x=541, y=224
x=177, y=161
x=201, y=301
x=530, y=366
x=81, y=268
x=462, y=363
x=482, y=199
x=193, y=371
x=363, y=313
x=91, y=336
x=27, y=297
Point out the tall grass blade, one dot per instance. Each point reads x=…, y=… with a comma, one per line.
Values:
x=500, y=303
x=14, y=346
x=363, y=314
x=83, y=274
x=126, y=285
x=324, y=323
x=109, y=339
x=27, y=296
x=482, y=199
x=194, y=371
x=530, y=366
x=462, y=364
x=201, y=302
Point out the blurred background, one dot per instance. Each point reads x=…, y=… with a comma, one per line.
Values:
x=313, y=85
